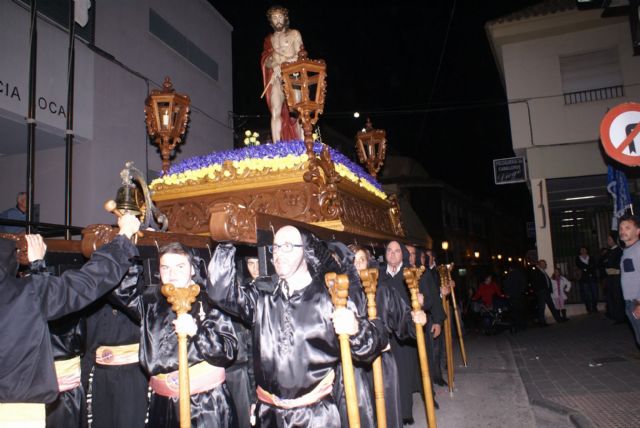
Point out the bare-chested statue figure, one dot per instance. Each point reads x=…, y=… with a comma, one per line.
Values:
x=280, y=47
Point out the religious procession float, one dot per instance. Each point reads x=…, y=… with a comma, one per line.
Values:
x=244, y=195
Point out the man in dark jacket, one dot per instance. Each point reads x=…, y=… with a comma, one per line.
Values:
x=514, y=286
x=27, y=374
x=542, y=287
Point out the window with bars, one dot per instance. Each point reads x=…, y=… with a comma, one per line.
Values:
x=591, y=76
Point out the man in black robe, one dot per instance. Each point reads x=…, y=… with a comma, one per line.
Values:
x=399, y=321
x=211, y=346
x=115, y=383
x=430, y=287
x=27, y=373
x=295, y=326
x=405, y=350
x=67, y=340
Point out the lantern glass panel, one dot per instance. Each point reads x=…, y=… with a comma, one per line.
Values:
x=165, y=116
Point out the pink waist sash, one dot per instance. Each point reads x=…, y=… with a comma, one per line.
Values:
x=202, y=377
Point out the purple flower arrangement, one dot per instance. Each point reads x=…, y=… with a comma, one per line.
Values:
x=270, y=151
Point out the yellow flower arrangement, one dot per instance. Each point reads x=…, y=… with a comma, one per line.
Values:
x=278, y=163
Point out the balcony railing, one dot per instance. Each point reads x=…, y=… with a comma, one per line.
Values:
x=593, y=95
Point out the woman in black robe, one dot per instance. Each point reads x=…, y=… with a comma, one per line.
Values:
x=396, y=316
x=364, y=384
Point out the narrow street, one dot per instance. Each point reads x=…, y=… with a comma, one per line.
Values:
x=584, y=373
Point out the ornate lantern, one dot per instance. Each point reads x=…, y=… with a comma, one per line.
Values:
x=371, y=145
x=167, y=114
x=304, y=84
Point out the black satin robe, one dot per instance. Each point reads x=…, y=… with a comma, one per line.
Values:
x=294, y=342
x=430, y=288
x=118, y=393
x=404, y=350
x=27, y=372
x=364, y=381
x=396, y=317
x=240, y=379
x=215, y=343
x=67, y=336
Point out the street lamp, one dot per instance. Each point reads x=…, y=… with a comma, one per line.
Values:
x=476, y=254
x=371, y=145
x=304, y=84
x=166, y=115
x=445, y=247
x=499, y=256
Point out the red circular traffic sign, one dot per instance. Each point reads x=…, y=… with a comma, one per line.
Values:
x=619, y=133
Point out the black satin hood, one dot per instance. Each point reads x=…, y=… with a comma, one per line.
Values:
x=405, y=255
x=345, y=255
x=8, y=259
x=294, y=341
x=317, y=255
x=419, y=253
x=347, y=267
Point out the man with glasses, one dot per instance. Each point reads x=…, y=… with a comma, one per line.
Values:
x=295, y=328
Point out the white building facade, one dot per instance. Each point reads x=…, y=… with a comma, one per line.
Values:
x=563, y=69
x=131, y=47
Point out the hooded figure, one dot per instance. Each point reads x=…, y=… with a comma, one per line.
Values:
x=27, y=373
x=211, y=346
x=404, y=349
x=240, y=379
x=295, y=325
x=364, y=383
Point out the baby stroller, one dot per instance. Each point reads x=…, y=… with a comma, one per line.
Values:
x=495, y=318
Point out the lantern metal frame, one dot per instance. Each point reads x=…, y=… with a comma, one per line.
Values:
x=371, y=146
x=166, y=117
x=305, y=87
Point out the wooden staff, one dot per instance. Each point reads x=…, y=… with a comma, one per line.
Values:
x=457, y=316
x=181, y=300
x=448, y=346
x=411, y=276
x=338, y=286
x=369, y=278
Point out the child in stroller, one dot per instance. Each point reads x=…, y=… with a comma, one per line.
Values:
x=492, y=305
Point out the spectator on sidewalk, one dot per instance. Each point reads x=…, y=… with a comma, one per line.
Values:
x=629, y=230
x=487, y=290
x=19, y=212
x=587, y=282
x=561, y=286
x=542, y=287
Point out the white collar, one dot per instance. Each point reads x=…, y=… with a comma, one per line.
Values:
x=396, y=272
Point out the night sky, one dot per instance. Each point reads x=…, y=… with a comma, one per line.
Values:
x=422, y=71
